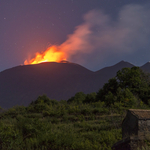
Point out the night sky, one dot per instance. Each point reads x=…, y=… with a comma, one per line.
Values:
x=99, y=33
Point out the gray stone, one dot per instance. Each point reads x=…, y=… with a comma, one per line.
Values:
x=135, y=130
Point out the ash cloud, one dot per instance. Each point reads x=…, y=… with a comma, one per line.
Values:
x=101, y=37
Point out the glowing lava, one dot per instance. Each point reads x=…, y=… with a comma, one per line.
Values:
x=50, y=55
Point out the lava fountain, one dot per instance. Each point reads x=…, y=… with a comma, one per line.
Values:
x=52, y=54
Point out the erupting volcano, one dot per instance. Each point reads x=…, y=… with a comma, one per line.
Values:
x=52, y=54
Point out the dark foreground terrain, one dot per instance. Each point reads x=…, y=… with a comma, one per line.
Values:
x=23, y=84
x=83, y=122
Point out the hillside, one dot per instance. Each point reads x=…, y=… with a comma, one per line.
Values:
x=83, y=122
x=146, y=67
x=22, y=84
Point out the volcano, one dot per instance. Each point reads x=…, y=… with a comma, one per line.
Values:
x=146, y=67
x=23, y=84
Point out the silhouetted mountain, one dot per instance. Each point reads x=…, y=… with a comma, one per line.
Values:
x=109, y=72
x=146, y=67
x=22, y=84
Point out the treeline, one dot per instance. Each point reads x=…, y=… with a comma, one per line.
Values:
x=83, y=122
x=130, y=88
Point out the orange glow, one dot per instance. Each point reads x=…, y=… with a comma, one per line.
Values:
x=50, y=55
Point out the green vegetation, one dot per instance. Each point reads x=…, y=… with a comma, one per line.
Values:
x=84, y=122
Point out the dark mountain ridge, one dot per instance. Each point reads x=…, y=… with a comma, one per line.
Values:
x=146, y=67
x=111, y=71
x=22, y=84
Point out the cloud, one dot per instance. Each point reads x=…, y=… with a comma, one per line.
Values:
x=101, y=36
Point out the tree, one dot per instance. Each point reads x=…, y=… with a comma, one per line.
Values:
x=126, y=97
x=107, y=92
x=136, y=81
x=129, y=78
x=44, y=100
x=90, y=98
x=128, y=83
x=41, y=103
x=78, y=98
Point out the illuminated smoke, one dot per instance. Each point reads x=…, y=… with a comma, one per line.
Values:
x=99, y=36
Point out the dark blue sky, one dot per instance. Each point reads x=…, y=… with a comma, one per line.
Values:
x=108, y=30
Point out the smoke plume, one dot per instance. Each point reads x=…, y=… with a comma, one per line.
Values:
x=101, y=36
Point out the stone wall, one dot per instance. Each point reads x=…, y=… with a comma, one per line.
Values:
x=135, y=130
x=132, y=143
x=129, y=126
x=144, y=129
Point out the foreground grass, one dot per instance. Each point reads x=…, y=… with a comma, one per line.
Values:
x=29, y=133
x=59, y=126
x=50, y=125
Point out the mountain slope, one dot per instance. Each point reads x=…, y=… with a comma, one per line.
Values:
x=111, y=70
x=146, y=67
x=108, y=72
x=22, y=84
